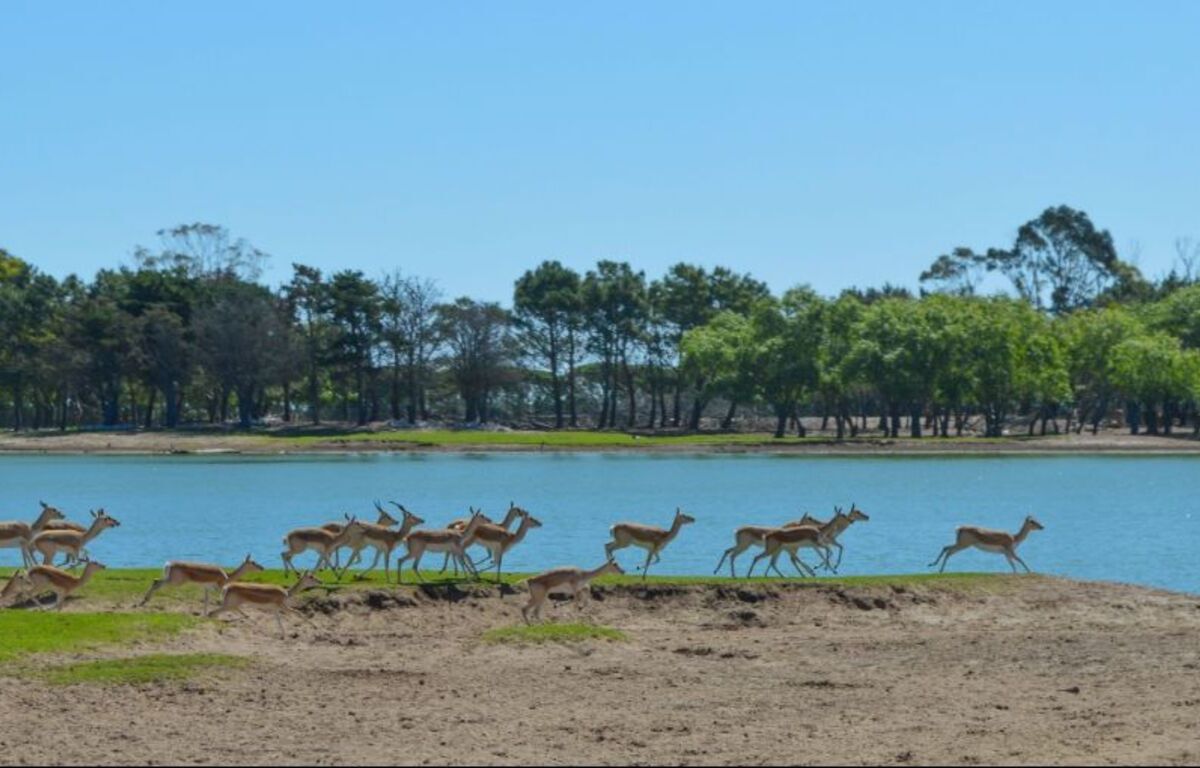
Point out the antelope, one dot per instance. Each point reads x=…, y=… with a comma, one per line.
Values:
x=17, y=533
x=988, y=540
x=789, y=540
x=384, y=540
x=267, y=597
x=563, y=581
x=837, y=526
x=17, y=585
x=320, y=541
x=176, y=574
x=749, y=536
x=648, y=537
x=71, y=542
x=513, y=513
x=497, y=540
x=47, y=578
x=355, y=543
x=440, y=540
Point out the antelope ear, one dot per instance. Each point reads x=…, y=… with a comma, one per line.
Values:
x=44, y=504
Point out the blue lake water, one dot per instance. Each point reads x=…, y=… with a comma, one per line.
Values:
x=1121, y=518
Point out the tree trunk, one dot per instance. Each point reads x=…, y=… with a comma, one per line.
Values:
x=727, y=422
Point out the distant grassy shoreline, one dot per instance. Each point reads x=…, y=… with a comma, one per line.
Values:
x=336, y=440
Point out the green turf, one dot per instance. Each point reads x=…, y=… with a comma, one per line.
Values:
x=25, y=632
x=552, y=633
x=151, y=668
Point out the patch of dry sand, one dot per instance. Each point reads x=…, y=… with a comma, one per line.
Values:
x=1038, y=671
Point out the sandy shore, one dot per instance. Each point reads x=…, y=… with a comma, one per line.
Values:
x=1028, y=670
x=279, y=442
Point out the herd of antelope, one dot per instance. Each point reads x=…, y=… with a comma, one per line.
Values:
x=51, y=535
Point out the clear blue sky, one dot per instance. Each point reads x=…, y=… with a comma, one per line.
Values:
x=828, y=143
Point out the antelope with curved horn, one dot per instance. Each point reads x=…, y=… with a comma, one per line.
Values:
x=318, y=540
x=18, y=533
x=70, y=542
x=836, y=526
x=47, y=578
x=1000, y=542
x=647, y=537
x=355, y=543
x=790, y=540
x=497, y=541
x=384, y=540
x=563, y=581
x=177, y=573
x=440, y=540
x=267, y=597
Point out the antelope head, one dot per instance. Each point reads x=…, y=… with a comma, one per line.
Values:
x=385, y=519
x=612, y=566
x=250, y=566
x=857, y=514
x=681, y=518
x=1032, y=524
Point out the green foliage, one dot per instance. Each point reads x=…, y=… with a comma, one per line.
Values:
x=26, y=632
x=553, y=633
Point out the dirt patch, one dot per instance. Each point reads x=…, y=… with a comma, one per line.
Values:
x=1046, y=671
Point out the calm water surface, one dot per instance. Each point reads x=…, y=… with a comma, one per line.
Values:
x=1131, y=519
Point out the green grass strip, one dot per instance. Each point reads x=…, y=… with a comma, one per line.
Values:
x=151, y=668
x=552, y=633
x=25, y=632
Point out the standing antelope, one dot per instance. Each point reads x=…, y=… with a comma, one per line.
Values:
x=790, y=540
x=18, y=533
x=497, y=540
x=440, y=540
x=648, y=537
x=318, y=540
x=267, y=597
x=355, y=543
x=988, y=540
x=563, y=581
x=47, y=578
x=384, y=540
x=176, y=574
x=70, y=542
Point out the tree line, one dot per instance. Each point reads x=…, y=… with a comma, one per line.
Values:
x=1052, y=332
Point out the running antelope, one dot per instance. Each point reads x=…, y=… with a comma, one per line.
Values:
x=70, y=542
x=835, y=527
x=318, y=540
x=384, y=540
x=267, y=597
x=355, y=543
x=750, y=536
x=790, y=540
x=513, y=513
x=563, y=581
x=497, y=540
x=47, y=578
x=1001, y=542
x=18, y=533
x=440, y=540
x=648, y=537
x=176, y=574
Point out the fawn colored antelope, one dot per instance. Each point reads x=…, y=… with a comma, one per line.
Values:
x=563, y=581
x=355, y=544
x=497, y=540
x=384, y=541
x=267, y=597
x=18, y=533
x=71, y=542
x=318, y=540
x=440, y=540
x=177, y=573
x=47, y=578
x=750, y=536
x=648, y=537
x=1001, y=542
x=790, y=540
x=513, y=513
